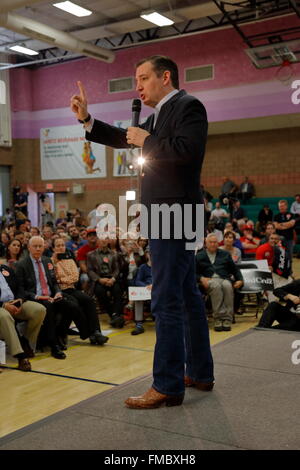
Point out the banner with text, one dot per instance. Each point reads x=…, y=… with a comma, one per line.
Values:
x=65, y=154
x=125, y=160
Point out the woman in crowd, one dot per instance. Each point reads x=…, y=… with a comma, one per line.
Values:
x=67, y=275
x=5, y=239
x=229, y=239
x=14, y=252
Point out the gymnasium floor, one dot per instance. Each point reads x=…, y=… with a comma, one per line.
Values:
x=54, y=385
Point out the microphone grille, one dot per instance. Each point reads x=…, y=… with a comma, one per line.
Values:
x=136, y=105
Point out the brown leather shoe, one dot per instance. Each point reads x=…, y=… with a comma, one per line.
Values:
x=153, y=399
x=24, y=365
x=205, y=387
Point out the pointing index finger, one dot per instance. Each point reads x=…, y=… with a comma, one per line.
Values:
x=82, y=90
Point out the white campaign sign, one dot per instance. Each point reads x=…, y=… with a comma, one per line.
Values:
x=139, y=293
x=65, y=154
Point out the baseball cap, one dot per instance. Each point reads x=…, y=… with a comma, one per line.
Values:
x=247, y=227
x=91, y=230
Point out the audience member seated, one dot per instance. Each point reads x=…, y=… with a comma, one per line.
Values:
x=218, y=275
x=67, y=276
x=218, y=215
x=232, y=227
x=12, y=304
x=238, y=212
x=38, y=283
x=81, y=256
x=229, y=239
x=143, y=279
x=5, y=239
x=211, y=228
x=288, y=315
x=134, y=257
x=61, y=218
x=103, y=271
x=35, y=231
x=13, y=252
x=228, y=190
x=264, y=217
x=269, y=230
x=278, y=261
x=249, y=242
x=246, y=191
x=295, y=206
x=143, y=245
x=284, y=223
x=75, y=241
x=9, y=334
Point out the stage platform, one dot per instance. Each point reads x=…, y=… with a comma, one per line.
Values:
x=255, y=405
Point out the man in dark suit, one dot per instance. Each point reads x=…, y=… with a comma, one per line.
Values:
x=37, y=281
x=173, y=144
x=103, y=270
x=218, y=275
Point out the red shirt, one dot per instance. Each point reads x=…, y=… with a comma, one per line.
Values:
x=246, y=240
x=266, y=251
x=83, y=252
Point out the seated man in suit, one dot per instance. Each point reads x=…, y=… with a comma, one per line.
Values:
x=38, y=282
x=12, y=309
x=215, y=271
x=103, y=270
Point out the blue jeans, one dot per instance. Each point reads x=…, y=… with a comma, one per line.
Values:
x=182, y=335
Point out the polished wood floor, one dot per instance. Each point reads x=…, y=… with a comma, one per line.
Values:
x=88, y=370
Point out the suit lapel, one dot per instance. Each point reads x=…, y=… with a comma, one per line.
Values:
x=166, y=110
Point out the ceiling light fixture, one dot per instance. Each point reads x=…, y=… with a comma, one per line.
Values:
x=72, y=8
x=23, y=50
x=156, y=18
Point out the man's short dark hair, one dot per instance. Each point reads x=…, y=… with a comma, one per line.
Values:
x=160, y=64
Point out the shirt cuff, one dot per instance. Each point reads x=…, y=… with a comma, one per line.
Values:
x=89, y=125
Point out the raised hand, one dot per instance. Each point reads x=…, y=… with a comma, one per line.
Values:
x=79, y=103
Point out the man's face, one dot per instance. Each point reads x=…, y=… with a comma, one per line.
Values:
x=273, y=239
x=92, y=239
x=282, y=208
x=47, y=232
x=270, y=229
x=74, y=232
x=150, y=87
x=212, y=244
x=298, y=198
x=36, y=248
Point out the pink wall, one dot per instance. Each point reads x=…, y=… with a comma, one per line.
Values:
x=46, y=92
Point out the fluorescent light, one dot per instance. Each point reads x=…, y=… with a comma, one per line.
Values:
x=157, y=18
x=72, y=8
x=23, y=50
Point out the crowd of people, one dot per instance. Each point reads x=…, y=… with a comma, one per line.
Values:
x=63, y=273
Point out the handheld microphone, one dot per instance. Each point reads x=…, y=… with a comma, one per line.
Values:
x=136, y=110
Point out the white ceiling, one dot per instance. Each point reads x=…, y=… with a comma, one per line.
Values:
x=107, y=26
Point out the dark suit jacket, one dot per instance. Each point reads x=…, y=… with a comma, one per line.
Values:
x=95, y=260
x=292, y=288
x=174, y=151
x=11, y=279
x=224, y=266
x=26, y=277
